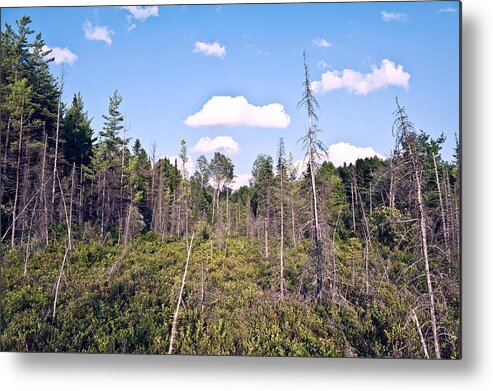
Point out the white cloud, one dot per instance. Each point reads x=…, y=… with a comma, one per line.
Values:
x=237, y=111
x=448, y=10
x=225, y=144
x=338, y=154
x=61, y=55
x=241, y=180
x=142, y=13
x=354, y=82
x=300, y=167
x=321, y=43
x=342, y=152
x=322, y=64
x=98, y=33
x=130, y=24
x=393, y=16
x=214, y=49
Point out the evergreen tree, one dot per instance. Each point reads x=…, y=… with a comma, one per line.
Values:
x=109, y=136
x=77, y=134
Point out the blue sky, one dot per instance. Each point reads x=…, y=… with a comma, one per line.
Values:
x=229, y=78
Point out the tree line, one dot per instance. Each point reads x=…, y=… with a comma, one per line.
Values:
x=366, y=228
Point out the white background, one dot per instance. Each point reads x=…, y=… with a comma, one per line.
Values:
x=473, y=372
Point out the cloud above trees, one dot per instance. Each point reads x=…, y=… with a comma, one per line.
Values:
x=342, y=152
x=228, y=111
x=224, y=144
x=241, y=180
x=357, y=83
x=61, y=55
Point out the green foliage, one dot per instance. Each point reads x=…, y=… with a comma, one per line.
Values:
x=77, y=133
x=112, y=301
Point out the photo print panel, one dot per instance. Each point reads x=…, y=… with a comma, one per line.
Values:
x=232, y=179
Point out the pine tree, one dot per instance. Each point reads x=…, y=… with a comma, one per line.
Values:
x=77, y=134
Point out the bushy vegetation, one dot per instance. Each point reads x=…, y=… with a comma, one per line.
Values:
x=106, y=248
x=113, y=301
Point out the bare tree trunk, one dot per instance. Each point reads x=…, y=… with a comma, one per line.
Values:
x=121, y=224
x=57, y=285
x=424, y=242
x=457, y=218
x=282, y=241
x=153, y=176
x=227, y=211
x=334, y=263
x=442, y=212
x=238, y=217
x=179, y=225
x=160, y=226
x=213, y=206
x=248, y=218
x=127, y=224
x=405, y=128
x=67, y=250
x=366, y=230
x=72, y=188
x=186, y=215
x=392, y=189
x=418, y=327
x=28, y=245
x=45, y=222
x=449, y=218
x=175, y=316
x=318, y=240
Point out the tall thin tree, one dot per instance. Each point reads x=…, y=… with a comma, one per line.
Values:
x=314, y=150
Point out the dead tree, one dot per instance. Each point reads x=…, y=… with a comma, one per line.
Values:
x=445, y=232
x=281, y=169
x=68, y=220
x=175, y=316
x=314, y=149
x=366, y=232
x=406, y=136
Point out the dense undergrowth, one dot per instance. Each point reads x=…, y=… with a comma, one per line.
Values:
x=117, y=301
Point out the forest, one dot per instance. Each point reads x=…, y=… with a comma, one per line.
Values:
x=105, y=247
